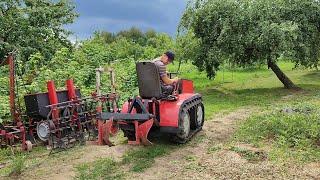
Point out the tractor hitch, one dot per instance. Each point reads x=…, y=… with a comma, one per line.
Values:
x=136, y=123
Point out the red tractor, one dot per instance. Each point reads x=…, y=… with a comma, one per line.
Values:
x=180, y=114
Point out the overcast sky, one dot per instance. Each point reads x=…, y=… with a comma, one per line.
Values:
x=116, y=15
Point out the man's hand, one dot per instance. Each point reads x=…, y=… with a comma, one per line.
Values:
x=176, y=79
x=168, y=81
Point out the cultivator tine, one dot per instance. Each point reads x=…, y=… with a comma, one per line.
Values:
x=108, y=131
x=142, y=132
x=105, y=130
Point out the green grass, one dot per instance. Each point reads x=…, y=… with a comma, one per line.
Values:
x=143, y=158
x=16, y=161
x=213, y=149
x=102, y=169
x=138, y=160
x=232, y=89
x=249, y=155
x=292, y=129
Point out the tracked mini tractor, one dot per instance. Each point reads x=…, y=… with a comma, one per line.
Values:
x=180, y=114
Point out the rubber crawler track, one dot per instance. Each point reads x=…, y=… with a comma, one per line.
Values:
x=188, y=106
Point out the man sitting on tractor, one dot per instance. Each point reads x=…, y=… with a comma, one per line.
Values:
x=167, y=84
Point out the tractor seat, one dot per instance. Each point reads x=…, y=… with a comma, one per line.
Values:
x=148, y=80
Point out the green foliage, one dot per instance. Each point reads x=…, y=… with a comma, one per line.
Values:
x=249, y=32
x=187, y=47
x=15, y=162
x=101, y=169
x=32, y=26
x=17, y=165
x=80, y=63
x=133, y=34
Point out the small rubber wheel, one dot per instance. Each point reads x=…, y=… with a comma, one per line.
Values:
x=184, y=126
x=200, y=115
x=43, y=130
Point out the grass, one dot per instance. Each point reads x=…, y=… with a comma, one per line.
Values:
x=213, y=149
x=232, y=89
x=143, y=158
x=292, y=129
x=248, y=155
x=102, y=169
x=138, y=160
x=16, y=161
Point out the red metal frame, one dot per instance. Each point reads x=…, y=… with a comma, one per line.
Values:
x=186, y=86
x=71, y=90
x=72, y=97
x=17, y=131
x=53, y=98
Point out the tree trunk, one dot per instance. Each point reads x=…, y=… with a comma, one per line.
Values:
x=281, y=76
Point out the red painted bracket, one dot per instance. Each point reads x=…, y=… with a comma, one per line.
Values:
x=105, y=130
x=142, y=132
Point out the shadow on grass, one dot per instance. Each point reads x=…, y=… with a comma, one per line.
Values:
x=217, y=100
x=311, y=76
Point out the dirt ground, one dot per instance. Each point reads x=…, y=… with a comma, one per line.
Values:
x=207, y=156
x=211, y=158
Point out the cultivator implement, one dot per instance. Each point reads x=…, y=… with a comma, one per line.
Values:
x=67, y=118
x=13, y=135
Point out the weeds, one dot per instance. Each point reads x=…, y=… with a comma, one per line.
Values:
x=101, y=169
x=143, y=158
x=248, y=154
x=17, y=165
x=213, y=149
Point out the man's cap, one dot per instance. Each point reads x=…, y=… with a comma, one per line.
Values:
x=170, y=55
